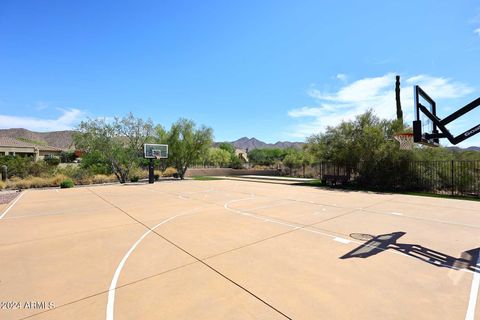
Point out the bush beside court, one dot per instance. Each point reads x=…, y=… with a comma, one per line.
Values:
x=364, y=151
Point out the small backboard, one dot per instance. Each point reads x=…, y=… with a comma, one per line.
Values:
x=155, y=151
x=423, y=127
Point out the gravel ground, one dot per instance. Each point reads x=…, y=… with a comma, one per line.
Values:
x=7, y=196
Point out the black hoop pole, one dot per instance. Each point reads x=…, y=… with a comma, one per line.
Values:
x=151, y=177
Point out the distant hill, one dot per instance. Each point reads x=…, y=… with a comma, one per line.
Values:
x=64, y=140
x=253, y=143
x=463, y=149
x=473, y=149
x=59, y=139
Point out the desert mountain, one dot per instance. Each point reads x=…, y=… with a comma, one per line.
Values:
x=253, y=143
x=59, y=139
x=64, y=140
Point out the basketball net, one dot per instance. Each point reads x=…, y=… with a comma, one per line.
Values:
x=405, y=139
x=157, y=154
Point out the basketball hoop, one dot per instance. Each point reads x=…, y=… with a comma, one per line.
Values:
x=405, y=139
x=157, y=154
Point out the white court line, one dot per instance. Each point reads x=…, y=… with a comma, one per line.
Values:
x=116, y=275
x=11, y=206
x=473, y=294
x=307, y=229
x=341, y=240
x=396, y=213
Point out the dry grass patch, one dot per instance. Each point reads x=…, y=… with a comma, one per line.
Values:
x=169, y=172
x=103, y=178
x=35, y=182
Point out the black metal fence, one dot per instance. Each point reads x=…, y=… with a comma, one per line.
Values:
x=440, y=177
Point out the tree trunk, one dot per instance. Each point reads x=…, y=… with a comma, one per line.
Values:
x=397, y=98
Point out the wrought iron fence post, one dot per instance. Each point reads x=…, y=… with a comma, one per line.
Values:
x=453, y=176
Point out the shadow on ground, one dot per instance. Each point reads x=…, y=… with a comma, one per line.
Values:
x=377, y=244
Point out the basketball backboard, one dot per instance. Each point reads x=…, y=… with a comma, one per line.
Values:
x=428, y=128
x=423, y=126
x=155, y=151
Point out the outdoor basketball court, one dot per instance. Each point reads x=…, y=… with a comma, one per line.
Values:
x=237, y=250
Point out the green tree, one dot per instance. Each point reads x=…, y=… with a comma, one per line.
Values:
x=235, y=161
x=364, y=144
x=293, y=160
x=118, y=143
x=227, y=146
x=267, y=156
x=307, y=160
x=95, y=163
x=219, y=157
x=187, y=144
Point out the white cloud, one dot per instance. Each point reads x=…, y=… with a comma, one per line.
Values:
x=67, y=120
x=375, y=93
x=342, y=77
x=40, y=105
x=477, y=31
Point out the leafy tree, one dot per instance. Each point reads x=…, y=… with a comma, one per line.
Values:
x=307, y=160
x=219, y=157
x=267, y=157
x=96, y=163
x=235, y=161
x=292, y=160
x=365, y=144
x=118, y=143
x=367, y=138
x=227, y=146
x=187, y=144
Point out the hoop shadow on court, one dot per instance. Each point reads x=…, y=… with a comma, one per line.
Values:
x=377, y=244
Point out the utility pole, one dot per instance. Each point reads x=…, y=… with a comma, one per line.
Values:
x=397, y=98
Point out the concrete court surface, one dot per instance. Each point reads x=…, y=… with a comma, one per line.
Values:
x=237, y=250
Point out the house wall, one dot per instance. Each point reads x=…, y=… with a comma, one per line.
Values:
x=27, y=151
x=19, y=151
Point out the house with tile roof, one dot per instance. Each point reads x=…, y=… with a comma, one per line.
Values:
x=17, y=147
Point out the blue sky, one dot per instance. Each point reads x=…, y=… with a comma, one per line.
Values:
x=275, y=70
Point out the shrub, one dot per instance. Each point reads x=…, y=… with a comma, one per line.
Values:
x=67, y=183
x=77, y=174
x=134, y=179
x=19, y=184
x=103, y=178
x=3, y=185
x=37, y=182
x=169, y=172
x=67, y=156
x=236, y=163
x=17, y=166
x=156, y=176
x=94, y=162
x=52, y=161
x=57, y=179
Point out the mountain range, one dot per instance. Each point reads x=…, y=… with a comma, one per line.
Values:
x=64, y=140
x=253, y=143
x=58, y=139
